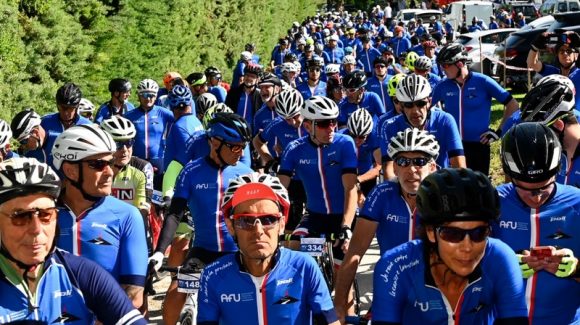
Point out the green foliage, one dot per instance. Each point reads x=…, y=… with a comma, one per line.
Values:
x=45, y=43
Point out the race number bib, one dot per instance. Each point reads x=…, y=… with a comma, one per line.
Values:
x=188, y=283
x=312, y=246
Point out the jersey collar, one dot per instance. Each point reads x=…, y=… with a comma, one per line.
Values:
x=242, y=267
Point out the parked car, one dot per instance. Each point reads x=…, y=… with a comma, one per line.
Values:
x=483, y=43
x=460, y=12
x=551, y=7
x=515, y=48
x=407, y=14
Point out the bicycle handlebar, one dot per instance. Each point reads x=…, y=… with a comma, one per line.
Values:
x=329, y=237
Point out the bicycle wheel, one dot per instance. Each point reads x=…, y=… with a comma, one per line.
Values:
x=187, y=318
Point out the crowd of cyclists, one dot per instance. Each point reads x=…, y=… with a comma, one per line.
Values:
x=358, y=127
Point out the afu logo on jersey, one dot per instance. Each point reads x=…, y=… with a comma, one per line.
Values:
x=423, y=306
x=235, y=297
x=125, y=194
x=514, y=225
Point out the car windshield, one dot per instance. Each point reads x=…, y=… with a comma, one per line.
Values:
x=463, y=40
x=408, y=16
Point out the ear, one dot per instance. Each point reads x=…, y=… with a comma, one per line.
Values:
x=70, y=170
x=282, y=225
x=308, y=125
x=230, y=226
x=459, y=64
x=430, y=233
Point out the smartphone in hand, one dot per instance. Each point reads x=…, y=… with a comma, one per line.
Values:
x=541, y=252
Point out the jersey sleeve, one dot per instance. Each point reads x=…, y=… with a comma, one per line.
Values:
x=496, y=91
x=208, y=311
x=379, y=108
x=103, y=296
x=453, y=139
x=287, y=163
x=140, y=200
x=349, y=161
x=373, y=206
x=182, y=186
x=388, y=291
x=133, y=252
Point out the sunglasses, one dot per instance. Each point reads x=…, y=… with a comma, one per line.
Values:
x=338, y=89
x=380, y=66
x=147, y=95
x=352, y=90
x=24, y=217
x=122, y=144
x=249, y=221
x=235, y=148
x=456, y=235
x=325, y=124
x=99, y=164
x=567, y=51
x=406, y=162
x=541, y=191
x=314, y=70
x=419, y=103
x=446, y=65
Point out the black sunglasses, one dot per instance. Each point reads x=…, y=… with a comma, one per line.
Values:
x=128, y=144
x=99, y=164
x=456, y=235
x=324, y=124
x=543, y=191
x=235, y=148
x=406, y=162
x=314, y=70
x=418, y=103
x=24, y=217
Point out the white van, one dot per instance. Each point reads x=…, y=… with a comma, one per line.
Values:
x=479, y=9
x=550, y=7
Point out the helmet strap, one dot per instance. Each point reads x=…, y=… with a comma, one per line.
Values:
x=218, y=151
x=79, y=184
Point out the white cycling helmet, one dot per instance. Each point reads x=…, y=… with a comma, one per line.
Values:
x=550, y=99
x=349, y=59
x=23, y=123
x=423, y=63
x=5, y=133
x=412, y=88
x=413, y=140
x=120, y=128
x=233, y=196
x=86, y=106
x=319, y=108
x=204, y=102
x=80, y=142
x=147, y=86
x=360, y=123
x=332, y=68
x=289, y=103
x=288, y=67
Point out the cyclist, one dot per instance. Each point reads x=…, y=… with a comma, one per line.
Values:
x=423, y=67
x=186, y=124
x=41, y=284
x=120, y=90
x=334, y=89
x=5, y=137
x=279, y=52
x=389, y=210
x=378, y=82
x=200, y=187
x=326, y=163
x=151, y=122
x=68, y=98
x=271, y=142
x=332, y=52
x=400, y=43
x=245, y=99
x=367, y=55
x=444, y=277
x=167, y=85
x=467, y=97
x=197, y=84
x=356, y=97
x=216, y=86
x=289, y=73
x=92, y=223
x=239, y=69
x=291, y=285
x=251, y=47
x=537, y=212
x=313, y=86
x=565, y=49
x=86, y=109
x=270, y=86
x=413, y=93
x=202, y=103
x=349, y=64
x=29, y=134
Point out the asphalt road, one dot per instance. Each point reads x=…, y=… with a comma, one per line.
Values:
x=364, y=277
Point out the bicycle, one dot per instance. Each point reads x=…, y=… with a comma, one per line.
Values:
x=187, y=282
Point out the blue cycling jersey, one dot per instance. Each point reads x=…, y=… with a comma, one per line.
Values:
x=400, y=45
x=570, y=173
x=110, y=233
x=290, y=293
x=364, y=152
x=555, y=223
x=404, y=291
x=237, y=74
x=334, y=55
x=53, y=126
x=321, y=168
x=470, y=103
x=245, y=107
x=306, y=91
x=433, y=81
x=439, y=123
x=380, y=88
x=202, y=183
x=179, y=132
x=263, y=117
x=548, y=69
x=197, y=146
x=370, y=101
x=367, y=57
x=397, y=224
x=106, y=111
x=151, y=127
x=219, y=92
x=278, y=134
x=278, y=55
x=71, y=290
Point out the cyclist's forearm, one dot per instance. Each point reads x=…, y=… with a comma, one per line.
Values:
x=345, y=278
x=172, y=219
x=350, y=198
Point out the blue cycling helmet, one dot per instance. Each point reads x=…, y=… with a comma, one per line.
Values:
x=229, y=127
x=179, y=97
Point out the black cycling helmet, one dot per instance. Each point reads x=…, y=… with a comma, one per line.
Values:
x=551, y=99
x=269, y=79
x=229, y=127
x=457, y=194
x=119, y=85
x=213, y=72
x=255, y=69
x=452, y=53
x=380, y=60
x=314, y=63
x=23, y=123
x=69, y=94
x=530, y=152
x=290, y=57
x=355, y=79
